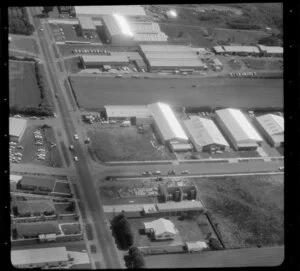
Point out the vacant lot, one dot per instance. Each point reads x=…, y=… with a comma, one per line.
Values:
x=95, y=92
x=61, y=187
x=62, y=208
x=73, y=65
x=18, y=42
x=68, y=229
x=248, y=209
x=23, y=88
x=125, y=144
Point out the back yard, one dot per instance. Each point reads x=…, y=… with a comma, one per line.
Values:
x=125, y=144
x=247, y=209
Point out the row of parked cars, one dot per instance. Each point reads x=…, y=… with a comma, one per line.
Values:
x=39, y=141
x=91, y=51
x=242, y=74
x=157, y=172
x=14, y=156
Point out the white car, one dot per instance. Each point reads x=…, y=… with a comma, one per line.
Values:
x=76, y=137
x=20, y=147
x=12, y=143
x=75, y=158
x=281, y=168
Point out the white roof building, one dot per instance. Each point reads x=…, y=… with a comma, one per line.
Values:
x=127, y=111
x=166, y=122
x=98, y=59
x=160, y=226
x=203, y=132
x=273, y=128
x=241, y=49
x=86, y=23
x=238, y=128
x=219, y=49
x=17, y=127
x=271, y=49
x=39, y=257
x=95, y=11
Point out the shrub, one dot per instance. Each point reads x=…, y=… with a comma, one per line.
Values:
x=270, y=41
x=215, y=244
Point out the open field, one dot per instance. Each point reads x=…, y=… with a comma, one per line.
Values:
x=18, y=42
x=61, y=187
x=248, y=209
x=125, y=144
x=23, y=88
x=95, y=92
x=68, y=229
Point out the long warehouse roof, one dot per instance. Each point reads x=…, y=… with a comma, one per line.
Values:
x=104, y=58
x=204, y=131
x=127, y=111
x=240, y=128
x=241, y=49
x=175, y=62
x=167, y=122
x=166, y=48
x=127, y=10
x=16, y=126
x=271, y=49
x=39, y=256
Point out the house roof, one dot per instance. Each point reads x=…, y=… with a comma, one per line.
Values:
x=38, y=256
x=16, y=126
x=127, y=111
x=38, y=181
x=15, y=178
x=161, y=226
x=86, y=23
x=240, y=128
x=127, y=10
x=36, y=228
x=167, y=122
x=204, y=131
x=32, y=206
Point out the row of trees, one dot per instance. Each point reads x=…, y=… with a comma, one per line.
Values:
x=135, y=259
x=18, y=21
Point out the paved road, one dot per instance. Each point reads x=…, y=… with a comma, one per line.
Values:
x=108, y=249
x=265, y=256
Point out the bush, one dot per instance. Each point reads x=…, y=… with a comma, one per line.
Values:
x=71, y=207
x=215, y=244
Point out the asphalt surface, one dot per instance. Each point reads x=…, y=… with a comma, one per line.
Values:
x=104, y=237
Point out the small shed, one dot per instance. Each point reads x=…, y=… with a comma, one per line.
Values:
x=196, y=246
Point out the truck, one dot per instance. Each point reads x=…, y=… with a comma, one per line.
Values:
x=125, y=123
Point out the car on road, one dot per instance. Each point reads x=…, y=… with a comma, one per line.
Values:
x=281, y=168
x=33, y=118
x=184, y=172
x=71, y=147
x=75, y=158
x=41, y=29
x=76, y=137
x=171, y=172
x=146, y=173
x=157, y=172
x=17, y=116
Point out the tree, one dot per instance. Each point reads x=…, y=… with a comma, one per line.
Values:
x=215, y=243
x=47, y=9
x=136, y=258
x=269, y=41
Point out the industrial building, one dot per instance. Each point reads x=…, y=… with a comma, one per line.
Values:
x=97, y=61
x=271, y=50
x=162, y=229
x=87, y=25
x=237, y=50
x=238, y=129
x=177, y=193
x=272, y=127
x=168, y=127
x=17, y=128
x=122, y=31
x=171, y=57
x=205, y=135
x=40, y=258
x=99, y=11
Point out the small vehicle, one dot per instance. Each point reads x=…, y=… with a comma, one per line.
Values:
x=76, y=137
x=157, y=172
x=171, y=172
x=54, y=115
x=12, y=147
x=112, y=122
x=134, y=76
x=119, y=76
x=146, y=173
x=75, y=158
x=281, y=168
x=39, y=143
x=219, y=152
x=17, y=116
x=12, y=143
x=71, y=147
x=184, y=172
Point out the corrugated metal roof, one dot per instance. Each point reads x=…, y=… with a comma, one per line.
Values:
x=204, y=131
x=273, y=126
x=38, y=256
x=161, y=226
x=38, y=182
x=112, y=25
x=124, y=207
x=125, y=111
x=86, y=23
x=104, y=58
x=167, y=121
x=240, y=128
x=127, y=10
x=16, y=126
x=166, y=48
x=145, y=27
x=241, y=49
x=36, y=228
x=150, y=37
x=183, y=205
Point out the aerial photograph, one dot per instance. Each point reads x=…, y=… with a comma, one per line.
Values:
x=146, y=136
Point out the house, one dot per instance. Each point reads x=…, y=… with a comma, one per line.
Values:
x=162, y=229
x=17, y=128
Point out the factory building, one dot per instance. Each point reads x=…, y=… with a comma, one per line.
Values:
x=238, y=129
x=40, y=258
x=171, y=57
x=168, y=128
x=237, y=50
x=87, y=25
x=99, y=11
x=272, y=127
x=205, y=135
x=17, y=128
x=276, y=51
x=97, y=61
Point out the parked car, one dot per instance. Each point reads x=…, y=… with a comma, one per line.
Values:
x=75, y=158
x=33, y=118
x=119, y=76
x=76, y=137
x=71, y=147
x=184, y=172
x=157, y=172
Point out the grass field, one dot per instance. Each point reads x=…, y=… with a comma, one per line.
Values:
x=94, y=92
x=71, y=229
x=125, y=144
x=24, y=44
x=23, y=88
x=248, y=209
x=62, y=188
